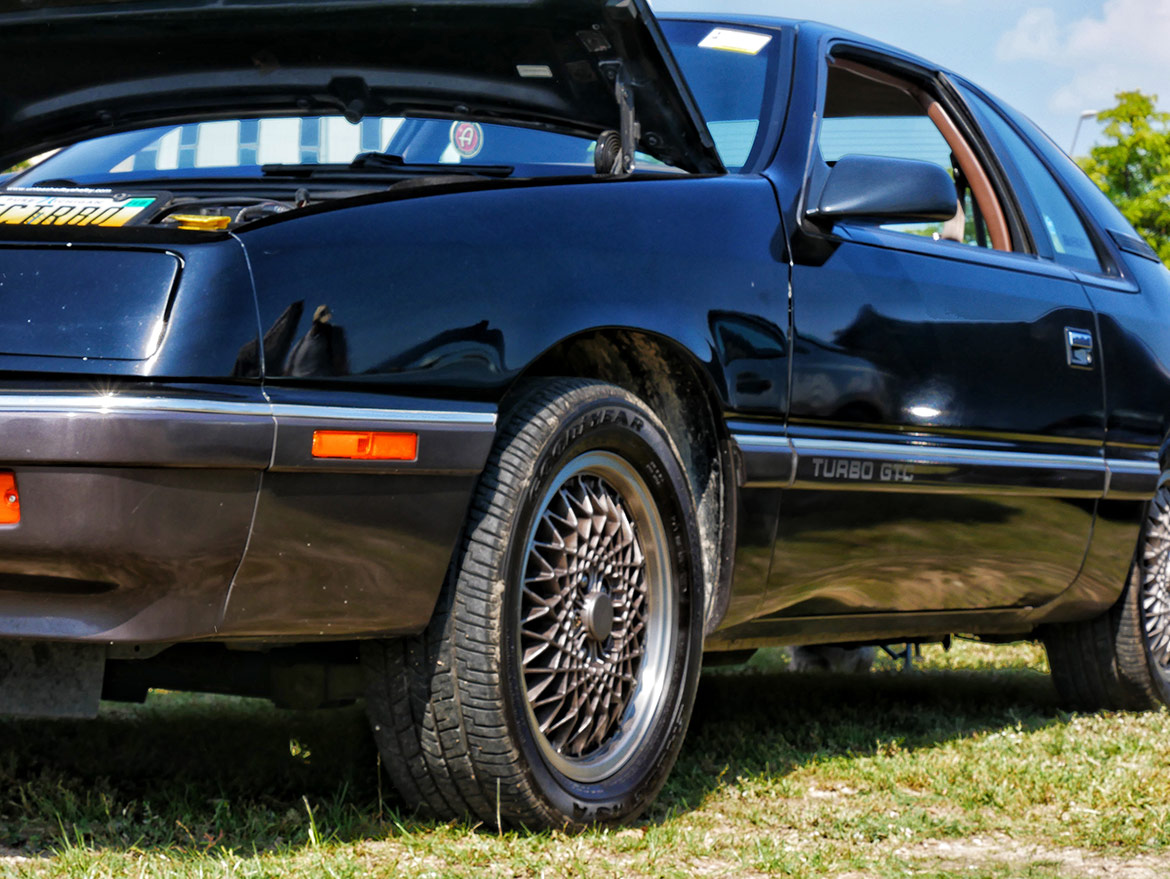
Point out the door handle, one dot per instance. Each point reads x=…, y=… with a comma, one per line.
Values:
x=1078, y=344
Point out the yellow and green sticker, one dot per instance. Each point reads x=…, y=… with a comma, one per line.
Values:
x=30, y=208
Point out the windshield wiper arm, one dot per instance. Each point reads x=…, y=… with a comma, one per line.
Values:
x=379, y=166
x=377, y=160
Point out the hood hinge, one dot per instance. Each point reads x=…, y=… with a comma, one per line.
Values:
x=630, y=131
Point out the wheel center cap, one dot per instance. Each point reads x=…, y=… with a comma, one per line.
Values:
x=598, y=615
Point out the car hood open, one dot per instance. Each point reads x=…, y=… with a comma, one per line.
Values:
x=72, y=69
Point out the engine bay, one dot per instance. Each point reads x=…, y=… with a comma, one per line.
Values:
x=216, y=214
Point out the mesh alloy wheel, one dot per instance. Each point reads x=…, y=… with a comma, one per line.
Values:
x=595, y=615
x=554, y=684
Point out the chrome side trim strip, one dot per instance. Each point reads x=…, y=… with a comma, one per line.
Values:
x=114, y=403
x=1123, y=478
x=914, y=454
x=763, y=443
x=1130, y=467
x=780, y=461
x=770, y=448
x=1130, y=479
x=338, y=413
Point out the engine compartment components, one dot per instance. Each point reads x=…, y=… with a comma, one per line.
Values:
x=218, y=213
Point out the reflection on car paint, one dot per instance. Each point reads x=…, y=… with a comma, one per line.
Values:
x=321, y=351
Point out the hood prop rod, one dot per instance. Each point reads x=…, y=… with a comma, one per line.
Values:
x=619, y=162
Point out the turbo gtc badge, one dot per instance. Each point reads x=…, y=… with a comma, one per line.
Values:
x=861, y=471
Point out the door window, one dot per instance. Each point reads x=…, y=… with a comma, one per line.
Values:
x=1059, y=224
x=869, y=112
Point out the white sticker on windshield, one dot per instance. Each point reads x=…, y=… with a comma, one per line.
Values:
x=744, y=42
x=535, y=71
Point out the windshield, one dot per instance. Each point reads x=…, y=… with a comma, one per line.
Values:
x=732, y=72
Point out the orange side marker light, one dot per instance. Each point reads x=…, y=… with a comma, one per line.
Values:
x=365, y=445
x=9, y=500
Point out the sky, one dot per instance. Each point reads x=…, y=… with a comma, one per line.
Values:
x=1051, y=60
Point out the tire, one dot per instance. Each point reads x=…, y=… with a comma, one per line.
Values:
x=1121, y=660
x=476, y=717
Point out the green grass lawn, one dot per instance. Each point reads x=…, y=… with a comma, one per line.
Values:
x=964, y=767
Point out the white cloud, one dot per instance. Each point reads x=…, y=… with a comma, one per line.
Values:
x=1123, y=48
x=1034, y=38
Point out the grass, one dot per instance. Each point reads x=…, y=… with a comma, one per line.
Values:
x=965, y=766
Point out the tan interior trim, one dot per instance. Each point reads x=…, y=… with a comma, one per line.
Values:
x=981, y=188
x=878, y=76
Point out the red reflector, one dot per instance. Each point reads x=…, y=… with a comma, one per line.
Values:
x=9, y=500
x=364, y=445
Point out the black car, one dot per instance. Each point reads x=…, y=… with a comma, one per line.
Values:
x=496, y=360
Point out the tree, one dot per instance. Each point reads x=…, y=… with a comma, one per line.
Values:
x=1133, y=165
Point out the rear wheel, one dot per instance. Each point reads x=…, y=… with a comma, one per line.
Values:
x=554, y=683
x=1121, y=659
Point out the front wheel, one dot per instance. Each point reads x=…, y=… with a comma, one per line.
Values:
x=554, y=683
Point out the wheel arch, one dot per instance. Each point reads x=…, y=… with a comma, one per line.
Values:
x=670, y=379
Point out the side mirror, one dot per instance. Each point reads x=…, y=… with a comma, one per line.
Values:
x=885, y=190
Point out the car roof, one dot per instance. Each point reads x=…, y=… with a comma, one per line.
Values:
x=809, y=27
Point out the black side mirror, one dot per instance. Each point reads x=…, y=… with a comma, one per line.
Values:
x=885, y=190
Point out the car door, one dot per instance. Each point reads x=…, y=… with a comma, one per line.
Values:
x=1123, y=292
x=945, y=405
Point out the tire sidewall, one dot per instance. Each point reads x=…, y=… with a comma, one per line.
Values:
x=1159, y=675
x=610, y=423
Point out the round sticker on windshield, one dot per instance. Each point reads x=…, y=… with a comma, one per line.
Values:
x=467, y=139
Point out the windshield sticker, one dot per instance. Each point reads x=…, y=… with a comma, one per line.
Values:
x=467, y=139
x=534, y=71
x=744, y=42
x=57, y=208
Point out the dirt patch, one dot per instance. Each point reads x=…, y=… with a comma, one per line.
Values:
x=999, y=849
